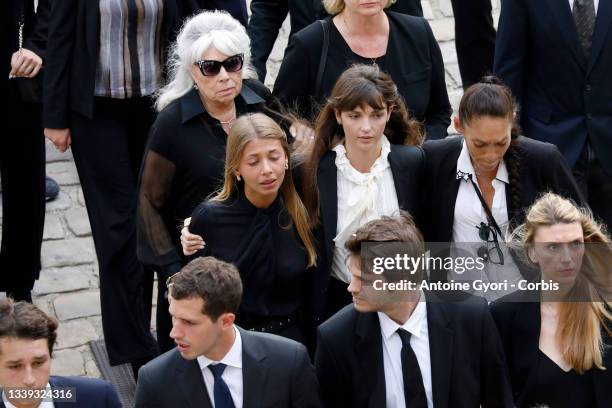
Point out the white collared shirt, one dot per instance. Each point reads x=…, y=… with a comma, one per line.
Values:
x=392, y=352
x=595, y=2
x=232, y=375
x=469, y=213
x=43, y=404
x=362, y=197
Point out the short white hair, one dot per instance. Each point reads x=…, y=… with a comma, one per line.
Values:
x=198, y=34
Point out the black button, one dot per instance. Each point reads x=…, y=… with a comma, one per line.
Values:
x=588, y=88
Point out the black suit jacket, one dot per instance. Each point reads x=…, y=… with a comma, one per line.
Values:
x=267, y=17
x=542, y=169
x=407, y=165
x=519, y=327
x=467, y=360
x=413, y=60
x=564, y=95
x=87, y=393
x=276, y=372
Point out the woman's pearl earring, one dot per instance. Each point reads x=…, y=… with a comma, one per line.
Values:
x=238, y=177
x=286, y=165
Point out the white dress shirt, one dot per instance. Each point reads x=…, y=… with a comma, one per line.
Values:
x=469, y=213
x=43, y=404
x=232, y=375
x=595, y=2
x=392, y=352
x=362, y=197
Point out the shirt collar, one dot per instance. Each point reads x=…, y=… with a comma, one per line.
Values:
x=464, y=164
x=233, y=358
x=414, y=325
x=191, y=104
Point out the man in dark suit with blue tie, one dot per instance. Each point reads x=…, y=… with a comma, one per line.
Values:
x=556, y=56
x=27, y=337
x=217, y=363
x=406, y=348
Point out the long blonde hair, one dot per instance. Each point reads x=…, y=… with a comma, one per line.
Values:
x=259, y=126
x=579, y=328
x=334, y=7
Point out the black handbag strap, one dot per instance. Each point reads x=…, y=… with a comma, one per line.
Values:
x=490, y=217
x=323, y=58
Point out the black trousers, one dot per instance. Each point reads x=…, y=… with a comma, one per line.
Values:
x=595, y=183
x=474, y=39
x=22, y=169
x=108, y=151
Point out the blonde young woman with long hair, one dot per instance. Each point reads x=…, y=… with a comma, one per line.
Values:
x=558, y=349
x=258, y=222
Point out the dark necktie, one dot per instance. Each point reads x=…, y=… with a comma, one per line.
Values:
x=584, y=17
x=223, y=397
x=414, y=390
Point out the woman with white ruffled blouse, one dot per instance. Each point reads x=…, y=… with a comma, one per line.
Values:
x=364, y=164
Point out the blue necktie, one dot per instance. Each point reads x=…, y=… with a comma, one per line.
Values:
x=221, y=392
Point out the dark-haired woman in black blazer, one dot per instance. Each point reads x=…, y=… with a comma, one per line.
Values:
x=508, y=171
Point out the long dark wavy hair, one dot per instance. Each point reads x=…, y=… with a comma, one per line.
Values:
x=360, y=85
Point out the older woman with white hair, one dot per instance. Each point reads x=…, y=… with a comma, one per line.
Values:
x=210, y=83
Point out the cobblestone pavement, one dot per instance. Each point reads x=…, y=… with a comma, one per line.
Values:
x=68, y=287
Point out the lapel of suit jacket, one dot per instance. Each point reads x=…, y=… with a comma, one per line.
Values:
x=449, y=186
x=254, y=371
x=400, y=178
x=441, y=352
x=602, y=26
x=567, y=28
x=327, y=182
x=192, y=384
x=525, y=341
x=370, y=354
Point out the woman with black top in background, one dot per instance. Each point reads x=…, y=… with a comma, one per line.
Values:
x=364, y=33
x=210, y=84
x=558, y=342
x=258, y=222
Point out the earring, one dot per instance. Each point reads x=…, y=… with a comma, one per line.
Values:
x=195, y=86
x=238, y=177
x=286, y=165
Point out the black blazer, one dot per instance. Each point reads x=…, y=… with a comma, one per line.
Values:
x=407, y=165
x=276, y=372
x=467, y=359
x=542, y=169
x=87, y=393
x=564, y=95
x=267, y=17
x=413, y=60
x=519, y=327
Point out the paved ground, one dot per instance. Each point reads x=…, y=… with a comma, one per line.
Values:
x=68, y=287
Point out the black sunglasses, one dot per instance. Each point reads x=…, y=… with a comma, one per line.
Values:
x=212, y=67
x=492, y=254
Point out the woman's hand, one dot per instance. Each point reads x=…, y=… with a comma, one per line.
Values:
x=191, y=243
x=60, y=138
x=25, y=63
x=303, y=137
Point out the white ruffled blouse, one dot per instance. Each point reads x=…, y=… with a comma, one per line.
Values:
x=362, y=197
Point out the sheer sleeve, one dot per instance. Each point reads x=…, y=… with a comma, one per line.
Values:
x=155, y=244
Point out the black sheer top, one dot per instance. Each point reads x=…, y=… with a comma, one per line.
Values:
x=264, y=246
x=183, y=164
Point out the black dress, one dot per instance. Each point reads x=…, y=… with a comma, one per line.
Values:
x=413, y=60
x=555, y=388
x=270, y=256
x=183, y=164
